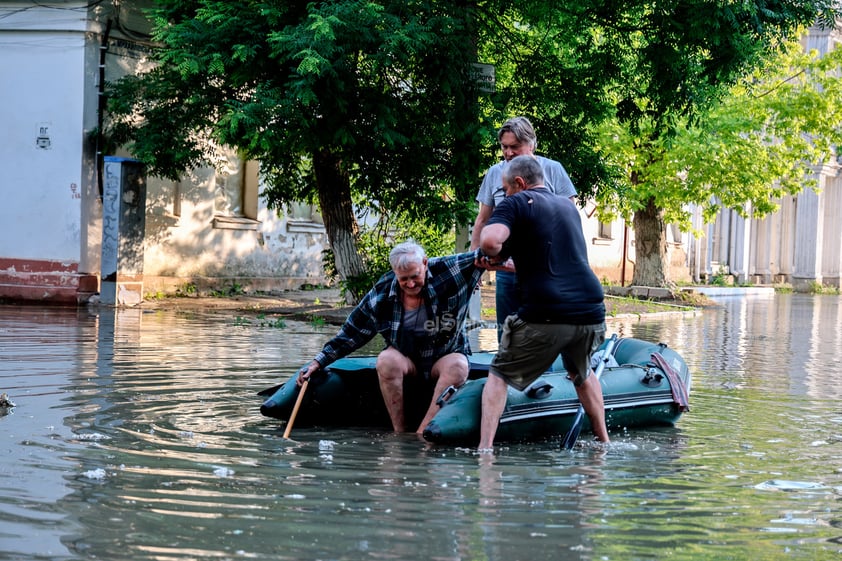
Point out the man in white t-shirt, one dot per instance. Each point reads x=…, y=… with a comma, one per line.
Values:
x=517, y=138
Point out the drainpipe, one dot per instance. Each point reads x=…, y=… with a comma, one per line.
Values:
x=100, y=112
x=625, y=253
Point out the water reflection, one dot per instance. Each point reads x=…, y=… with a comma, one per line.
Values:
x=137, y=436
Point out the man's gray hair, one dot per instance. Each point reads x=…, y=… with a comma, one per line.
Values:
x=405, y=254
x=522, y=129
x=527, y=167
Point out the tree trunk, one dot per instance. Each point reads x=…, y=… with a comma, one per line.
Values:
x=650, y=267
x=334, y=186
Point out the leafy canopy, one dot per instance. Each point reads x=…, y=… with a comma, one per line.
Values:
x=381, y=91
x=377, y=84
x=763, y=140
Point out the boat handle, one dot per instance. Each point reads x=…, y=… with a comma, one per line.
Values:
x=445, y=395
x=540, y=390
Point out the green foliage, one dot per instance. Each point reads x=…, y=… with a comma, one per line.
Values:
x=374, y=98
x=240, y=321
x=277, y=323
x=187, y=289
x=384, y=87
x=260, y=320
x=759, y=143
x=234, y=289
x=721, y=278
x=311, y=286
x=819, y=288
x=381, y=86
x=377, y=240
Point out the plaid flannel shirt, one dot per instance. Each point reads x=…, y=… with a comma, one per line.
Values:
x=449, y=284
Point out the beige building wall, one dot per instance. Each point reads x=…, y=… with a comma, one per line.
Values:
x=212, y=231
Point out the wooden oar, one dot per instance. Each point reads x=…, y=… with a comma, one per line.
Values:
x=573, y=433
x=301, y=391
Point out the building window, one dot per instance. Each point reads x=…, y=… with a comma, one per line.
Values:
x=176, y=199
x=304, y=217
x=305, y=212
x=235, y=195
x=604, y=231
x=604, y=234
x=228, y=193
x=675, y=231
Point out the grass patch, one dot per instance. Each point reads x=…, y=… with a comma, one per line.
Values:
x=819, y=288
x=626, y=305
x=277, y=323
x=235, y=289
x=188, y=289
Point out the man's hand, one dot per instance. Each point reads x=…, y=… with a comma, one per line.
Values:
x=495, y=263
x=306, y=371
x=508, y=265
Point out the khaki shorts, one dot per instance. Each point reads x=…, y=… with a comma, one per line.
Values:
x=527, y=350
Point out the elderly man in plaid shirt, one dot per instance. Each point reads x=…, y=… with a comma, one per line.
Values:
x=419, y=309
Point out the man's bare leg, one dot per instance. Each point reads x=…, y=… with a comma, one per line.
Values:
x=449, y=370
x=590, y=396
x=493, y=403
x=392, y=367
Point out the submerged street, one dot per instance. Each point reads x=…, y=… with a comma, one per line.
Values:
x=136, y=435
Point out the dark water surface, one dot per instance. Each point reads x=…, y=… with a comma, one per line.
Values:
x=137, y=436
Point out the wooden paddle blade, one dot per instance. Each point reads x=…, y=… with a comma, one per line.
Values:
x=301, y=391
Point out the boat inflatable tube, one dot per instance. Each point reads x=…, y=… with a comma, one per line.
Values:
x=647, y=384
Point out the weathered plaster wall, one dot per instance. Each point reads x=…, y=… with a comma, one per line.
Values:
x=42, y=64
x=262, y=255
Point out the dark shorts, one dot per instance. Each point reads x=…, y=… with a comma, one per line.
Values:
x=527, y=350
x=424, y=366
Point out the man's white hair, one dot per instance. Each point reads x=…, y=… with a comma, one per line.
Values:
x=405, y=254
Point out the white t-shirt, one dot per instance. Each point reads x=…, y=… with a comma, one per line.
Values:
x=556, y=180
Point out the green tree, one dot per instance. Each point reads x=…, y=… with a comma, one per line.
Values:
x=358, y=103
x=679, y=60
x=334, y=99
x=762, y=141
x=372, y=103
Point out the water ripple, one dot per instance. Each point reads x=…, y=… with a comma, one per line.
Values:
x=138, y=437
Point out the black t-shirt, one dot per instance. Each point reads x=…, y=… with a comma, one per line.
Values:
x=551, y=259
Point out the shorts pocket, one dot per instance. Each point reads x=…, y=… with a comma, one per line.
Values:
x=520, y=340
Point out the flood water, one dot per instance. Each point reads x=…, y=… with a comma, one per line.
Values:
x=137, y=436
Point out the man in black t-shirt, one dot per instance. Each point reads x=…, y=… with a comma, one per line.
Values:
x=562, y=309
